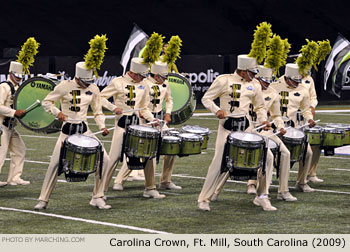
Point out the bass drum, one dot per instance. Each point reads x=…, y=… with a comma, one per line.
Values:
x=37, y=119
x=183, y=98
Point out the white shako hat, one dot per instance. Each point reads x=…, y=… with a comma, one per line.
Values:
x=137, y=67
x=16, y=68
x=160, y=68
x=264, y=73
x=292, y=72
x=82, y=73
x=247, y=63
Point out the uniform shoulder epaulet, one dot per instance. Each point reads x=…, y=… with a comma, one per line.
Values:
x=10, y=85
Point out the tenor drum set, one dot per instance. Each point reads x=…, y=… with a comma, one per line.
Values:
x=329, y=137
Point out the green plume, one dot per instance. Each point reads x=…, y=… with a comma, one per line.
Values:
x=262, y=36
x=324, y=48
x=94, y=57
x=286, y=50
x=153, y=48
x=274, y=57
x=172, y=53
x=26, y=56
x=307, y=58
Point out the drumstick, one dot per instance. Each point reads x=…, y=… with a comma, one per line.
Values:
x=307, y=124
x=154, y=122
x=98, y=132
x=278, y=132
x=168, y=129
x=33, y=106
x=262, y=126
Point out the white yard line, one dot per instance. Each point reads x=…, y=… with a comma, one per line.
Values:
x=146, y=230
x=338, y=169
x=335, y=157
x=30, y=161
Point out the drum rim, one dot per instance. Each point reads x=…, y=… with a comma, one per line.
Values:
x=153, y=130
x=15, y=105
x=261, y=140
x=196, y=137
x=88, y=137
x=205, y=131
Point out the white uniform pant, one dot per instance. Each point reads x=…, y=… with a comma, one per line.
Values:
x=51, y=173
x=215, y=178
x=316, y=153
x=12, y=141
x=168, y=164
x=114, y=157
x=304, y=168
x=284, y=163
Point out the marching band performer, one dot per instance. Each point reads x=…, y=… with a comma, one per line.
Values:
x=324, y=49
x=129, y=92
x=11, y=139
x=75, y=97
x=272, y=103
x=159, y=91
x=292, y=97
x=236, y=92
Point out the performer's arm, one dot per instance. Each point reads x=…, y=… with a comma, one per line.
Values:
x=5, y=111
x=305, y=108
x=97, y=109
x=49, y=102
x=259, y=105
x=145, y=112
x=275, y=113
x=108, y=92
x=216, y=89
x=168, y=100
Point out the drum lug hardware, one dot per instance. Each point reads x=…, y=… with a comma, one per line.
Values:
x=65, y=166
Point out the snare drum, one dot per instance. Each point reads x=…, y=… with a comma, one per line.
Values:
x=190, y=144
x=170, y=145
x=246, y=150
x=204, y=132
x=332, y=137
x=314, y=135
x=141, y=141
x=346, y=128
x=294, y=141
x=81, y=156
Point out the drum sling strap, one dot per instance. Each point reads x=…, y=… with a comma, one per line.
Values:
x=9, y=121
x=306, y=143
x=277, y=164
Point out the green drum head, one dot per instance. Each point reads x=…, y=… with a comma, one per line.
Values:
x=28, y=93
x=181, y=91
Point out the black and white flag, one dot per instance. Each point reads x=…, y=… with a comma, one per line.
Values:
x=335, y=63
x=136, y=42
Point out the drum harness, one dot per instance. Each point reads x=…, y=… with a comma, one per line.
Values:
x=10, y=122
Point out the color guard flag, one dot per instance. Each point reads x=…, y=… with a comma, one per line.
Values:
x=337, y=67
x=136, y=42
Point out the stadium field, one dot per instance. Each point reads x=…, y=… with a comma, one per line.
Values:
x=325, y=211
